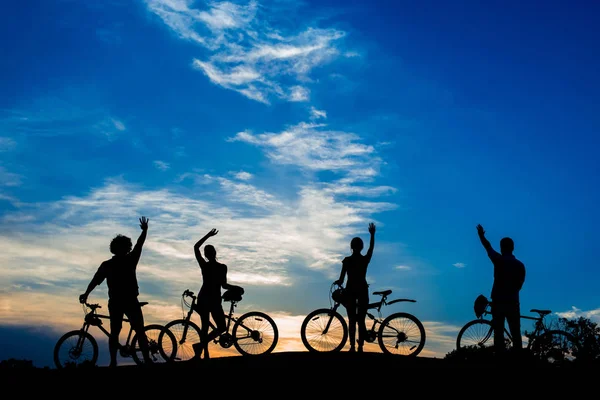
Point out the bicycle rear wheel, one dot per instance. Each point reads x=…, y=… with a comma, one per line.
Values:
x=75, y=349
x=187, y=334
x=555, y=347
x=162, y=345
x=255, y=333
x=323, y=331
x=401, y=334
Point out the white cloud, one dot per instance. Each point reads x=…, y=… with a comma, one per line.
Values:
x=459, y=265
x=119, y=125
x=243, y=175
x=246, y=51
x=310, y=147
x=592, y=315
x=8, y=178
x=402, y=267
x=161, y=165
x=316, y=114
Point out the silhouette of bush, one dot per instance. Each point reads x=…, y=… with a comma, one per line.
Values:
x=587, y=334
x=471, y=354
x=12, y=363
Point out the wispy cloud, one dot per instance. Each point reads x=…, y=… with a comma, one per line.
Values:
x=316, y=114
x=402, y=267
x=574, y=312
x=264, y=235
x=243, y=175
x=161, y=165
x=309, y=146
x=7, y=144
x=459, y=265
x=247, y=49
x=119, y=125
x=8, y=178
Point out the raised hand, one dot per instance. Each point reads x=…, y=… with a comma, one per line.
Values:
x=144, y=223
x=372, y=228
x=212, y=232
x=480, y=230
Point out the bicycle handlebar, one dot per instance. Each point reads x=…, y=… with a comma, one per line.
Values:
x=92, y=306
x=188, y=292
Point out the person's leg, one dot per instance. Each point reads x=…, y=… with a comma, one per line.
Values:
x=513, y=318
x=136, y=320
x=361, y=315
x=115, y=311
x=205, y=321
x=498, y=323
x=351, y=312
x=218, y=316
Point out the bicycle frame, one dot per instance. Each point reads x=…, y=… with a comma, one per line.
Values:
x=539, y=326
x=229, y=318
x=372, y=306
x=92, y=318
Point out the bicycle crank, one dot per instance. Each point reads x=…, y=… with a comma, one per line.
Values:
x=226, y=340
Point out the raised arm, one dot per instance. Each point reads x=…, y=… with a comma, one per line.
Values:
x=137, y=249
x=199, y=243
x=371, y=242
x=486, y=243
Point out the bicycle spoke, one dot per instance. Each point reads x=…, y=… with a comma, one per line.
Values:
x=321, y=340
x=254, y=335
x=401, y=335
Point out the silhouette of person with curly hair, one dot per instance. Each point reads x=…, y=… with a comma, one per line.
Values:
x=356, y=292
x=120, y=274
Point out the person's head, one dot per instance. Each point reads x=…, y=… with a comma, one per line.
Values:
x=210, y=252
x=507, y=245
x=120, y=245
x=356, y=244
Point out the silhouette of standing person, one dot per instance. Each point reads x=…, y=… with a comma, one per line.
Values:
x=357, y=289
x=120, y=274
x=209, y=302
x=509, y=276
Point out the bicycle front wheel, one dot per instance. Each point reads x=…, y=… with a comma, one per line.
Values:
x=324, y=331
x=187, y=334
x=555, y=347
x=401, y=334
x=255, y=333
x=479, y=334
x=75, y=349
x=162, y=345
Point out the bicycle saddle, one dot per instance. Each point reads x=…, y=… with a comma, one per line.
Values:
x=143, y=303
x=383, y=293
x=541, y=312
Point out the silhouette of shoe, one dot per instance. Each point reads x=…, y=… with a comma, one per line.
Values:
x=197, y=347
x=360, y=349
x=352, y=350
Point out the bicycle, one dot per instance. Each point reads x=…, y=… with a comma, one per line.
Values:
x=254, y=333
x=325, y=330
x=79, y=347
x=554, y=346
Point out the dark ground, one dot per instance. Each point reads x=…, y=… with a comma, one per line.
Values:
x=304, y=372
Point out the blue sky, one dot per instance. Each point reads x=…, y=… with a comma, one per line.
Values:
x=289, y=126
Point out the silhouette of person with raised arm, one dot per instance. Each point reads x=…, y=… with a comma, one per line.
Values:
x=120, y=274
x=209, y=302
x=509, y=276
x=356, y=292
